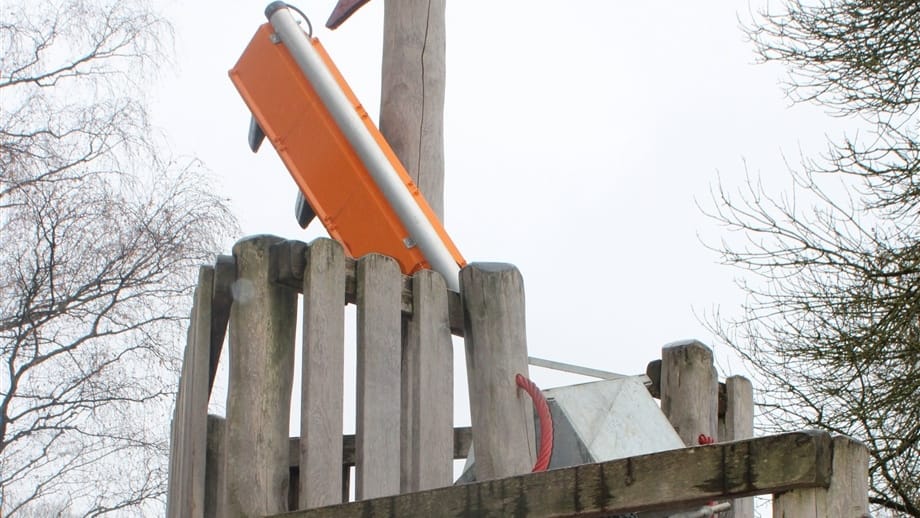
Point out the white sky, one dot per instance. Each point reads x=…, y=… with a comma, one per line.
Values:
x=579, y=137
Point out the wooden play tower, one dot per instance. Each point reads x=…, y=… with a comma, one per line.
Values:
x=408, y=318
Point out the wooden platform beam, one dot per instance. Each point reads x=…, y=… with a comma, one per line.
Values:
x=658, y=481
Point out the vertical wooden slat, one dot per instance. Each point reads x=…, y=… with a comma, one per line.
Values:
x=214, y=468
x=323, y=371
x=428, y=385
x=172, y=484
x=187, y=462
x=177, y=486
x=738, y=424
x=848, y=493
x=221, y=300
x=412, y=92
x=496, y=351
x=377, y=437
x=690, y=390
x=262, y=325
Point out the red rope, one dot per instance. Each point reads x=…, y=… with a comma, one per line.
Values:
x=546, y=422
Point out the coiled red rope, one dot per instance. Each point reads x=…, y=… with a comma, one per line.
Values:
x=546, y=422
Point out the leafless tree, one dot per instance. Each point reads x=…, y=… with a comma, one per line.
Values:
x=831, y=325
x=100, y=239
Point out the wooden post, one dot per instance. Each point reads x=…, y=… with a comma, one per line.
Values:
x=689, y=390
x=412, y=92
x=189, y=433
x=496, y=351
x=428, y=388
x=323, y=370
x=377, y=430
x=262, y=324
x=847, y=494
x=738, y=424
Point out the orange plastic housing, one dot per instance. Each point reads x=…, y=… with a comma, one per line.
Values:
x=320, y=159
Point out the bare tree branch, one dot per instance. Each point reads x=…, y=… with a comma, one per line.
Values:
x=102, y=239
x=831, y=321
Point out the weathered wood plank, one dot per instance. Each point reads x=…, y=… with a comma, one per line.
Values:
x=262, y=325
x=665, y=480
x=214, y=468
x=845, y=497
x=689, y=390
x=496, y=351
x=221, y=300
x=738, y=424
x=187, y=461
x=377, y=429
x=412, y=92
x=323, y=370
x=288, y=262
x=428, y=388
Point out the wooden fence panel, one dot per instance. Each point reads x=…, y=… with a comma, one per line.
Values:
x=496, y=351
x=262, y=327
x=323, y=370
x=189, y=433
x=377, y=437
x=428, y=388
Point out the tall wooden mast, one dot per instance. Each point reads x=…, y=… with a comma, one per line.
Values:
x=412, y=91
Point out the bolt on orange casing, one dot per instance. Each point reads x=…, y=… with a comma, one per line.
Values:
x=320, y=158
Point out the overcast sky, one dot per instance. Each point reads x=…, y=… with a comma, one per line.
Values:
x=580, y=137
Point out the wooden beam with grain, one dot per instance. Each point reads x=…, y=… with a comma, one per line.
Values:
x=658, y=481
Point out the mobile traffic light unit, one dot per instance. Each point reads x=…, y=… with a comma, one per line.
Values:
x=347, y=173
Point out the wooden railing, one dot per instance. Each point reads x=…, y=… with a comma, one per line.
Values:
x=405, y=442
x=404, y=438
